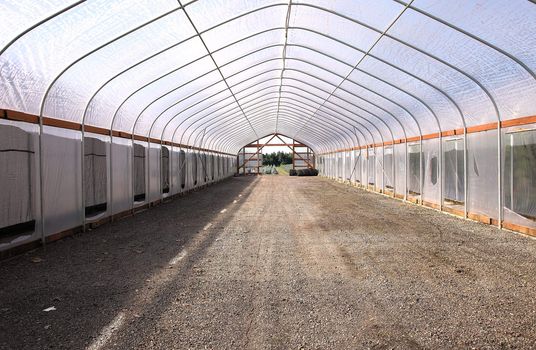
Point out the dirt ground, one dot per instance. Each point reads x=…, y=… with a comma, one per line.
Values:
x=275, y=262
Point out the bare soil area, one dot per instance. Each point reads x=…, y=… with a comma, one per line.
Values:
x=275, y=262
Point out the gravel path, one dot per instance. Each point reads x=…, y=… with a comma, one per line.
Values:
x=275, y=262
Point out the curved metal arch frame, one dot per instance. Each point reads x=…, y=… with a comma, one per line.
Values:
x=259, y=105
x=317, y=135
x=455, y=28
x=313, y=101
x=296, y=106
x=358, y=115
x=332, y=121
x=246, y=102
x=371, y=136
x=264, y=112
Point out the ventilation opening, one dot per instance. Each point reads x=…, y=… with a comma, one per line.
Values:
x=520, y=174
x=182, y=168
x=17, y=158
x=95, y=176
x=139, y=173
x=164, y=171
x=454, y=180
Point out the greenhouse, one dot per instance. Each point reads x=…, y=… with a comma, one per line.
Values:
x=113, y=111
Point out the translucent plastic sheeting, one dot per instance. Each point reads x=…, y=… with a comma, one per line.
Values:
x=371, y=166
x=389, y=69
x=140, y=172
x=18, y=180
x=122, y=174
x=388, y=167
x=453, y=164
x=482, y=172
x=62, y=176
x=105, y=180
x=379, y=168
x=347, y=166
x=182, y=170
x=400, y=167
x=164, y=169
x=414, y=174
x=431, y=184
x=153, y=166
x=358, y=166
x=519, y=176
x=95, y=175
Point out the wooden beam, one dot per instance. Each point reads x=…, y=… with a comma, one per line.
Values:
x=258, y=150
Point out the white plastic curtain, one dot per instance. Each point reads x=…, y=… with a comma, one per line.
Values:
x=225, y=73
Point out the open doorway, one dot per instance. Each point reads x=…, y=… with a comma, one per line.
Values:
x=276, y=154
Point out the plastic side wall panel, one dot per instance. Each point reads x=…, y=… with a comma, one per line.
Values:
x=174, y=172
x=431, y=170
x=348, y=165
x=519, y=178
x=17, y=178
x=359, y=166
x=26, y=203
x=122, y=174
x=482, y=186
x=453, y=169
x=97, y=169
x=400, y=151
x=371, y=168
x=379, y=167
x=191, y=170
x=340, y=165
x=154, y=172
x=62, y=179
x=388, y=167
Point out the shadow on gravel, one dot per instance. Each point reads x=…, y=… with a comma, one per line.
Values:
x=117, y=269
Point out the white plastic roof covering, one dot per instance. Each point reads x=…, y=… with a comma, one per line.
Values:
x=220, y=74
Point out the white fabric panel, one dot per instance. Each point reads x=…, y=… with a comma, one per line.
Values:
x=482, y=171
x=140, y=173
x=62, y=179
x=165, y=175
x=17, y=178
x=431, y=175
x=154, y=162
x=379, y=168
x=453, y=155
x=400, y=168
x=95, y=170
x=175, y=185
x=519, y=164
x=121, y=164
x=414, y=162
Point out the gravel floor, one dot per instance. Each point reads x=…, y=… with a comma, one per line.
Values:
x=275, y=262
